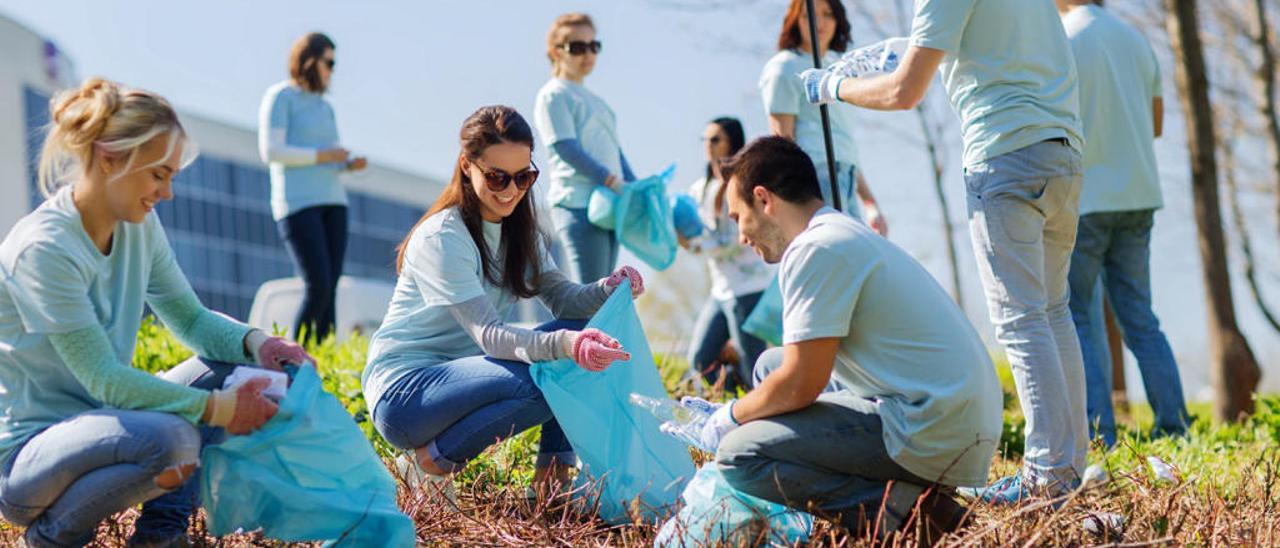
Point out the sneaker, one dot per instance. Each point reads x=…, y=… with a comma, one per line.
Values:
x=1005, y=491
x=419, y=480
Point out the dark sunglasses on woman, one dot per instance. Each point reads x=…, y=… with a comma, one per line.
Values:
x=578, y=47
x=497, y=180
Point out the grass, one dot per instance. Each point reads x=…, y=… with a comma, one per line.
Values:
x=1226, y=490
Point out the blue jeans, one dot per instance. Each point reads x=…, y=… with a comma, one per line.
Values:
x=1116, y=246
x=459, y=408
x=1023, y=209
x=74, y=474
x=830, y=453
x=316, y=238
x=720, y=322
x=590, y=252
x=847, y=181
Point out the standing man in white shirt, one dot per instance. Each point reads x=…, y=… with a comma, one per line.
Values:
x=1122, y=110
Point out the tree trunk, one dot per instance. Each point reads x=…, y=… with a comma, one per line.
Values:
x=1265, y=80
x=1115, y=344
x=948, y=231
x=1234, y=369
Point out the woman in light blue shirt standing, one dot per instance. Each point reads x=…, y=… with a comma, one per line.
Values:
x=298, y=139
x=446, y=376
x=790, y=114
x=84, y=435
x=581, y=132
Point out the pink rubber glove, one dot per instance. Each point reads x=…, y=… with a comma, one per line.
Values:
x=277, y=351
x=595, y=351
x=625, y=273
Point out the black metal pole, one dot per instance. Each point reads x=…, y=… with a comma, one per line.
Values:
x=826, y=116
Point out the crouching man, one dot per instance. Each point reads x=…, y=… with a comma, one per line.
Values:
x=882, y=394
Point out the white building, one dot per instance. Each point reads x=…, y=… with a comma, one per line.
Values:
x=220, y=221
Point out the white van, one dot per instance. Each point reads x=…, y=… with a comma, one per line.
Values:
x=362, y=303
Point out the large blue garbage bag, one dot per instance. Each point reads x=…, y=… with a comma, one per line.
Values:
x=765, y=320
x=309, y=474
x=716, y=514
x=642, y=220
x=623, y=453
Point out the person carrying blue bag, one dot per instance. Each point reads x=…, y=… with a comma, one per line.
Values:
x=446, y=377
x=581, y=135
x=883, y=395
x=84, y=435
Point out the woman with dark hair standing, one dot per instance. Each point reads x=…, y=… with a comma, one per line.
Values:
x=581, y=133
x=298, y=138
x=446, y=377
x=738, y=274
x=792, y=116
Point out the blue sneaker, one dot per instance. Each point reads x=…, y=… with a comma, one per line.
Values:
x=1004, y=491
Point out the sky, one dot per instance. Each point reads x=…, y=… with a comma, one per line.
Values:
x=409, y=72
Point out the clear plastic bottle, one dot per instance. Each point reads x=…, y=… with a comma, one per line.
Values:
x=879, y=58
x=670, y=411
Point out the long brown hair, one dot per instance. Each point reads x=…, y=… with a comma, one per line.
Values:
x=790, y=38
x=304, y=58
x=519, y=246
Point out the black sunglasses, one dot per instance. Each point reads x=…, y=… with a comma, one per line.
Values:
x=330, y=63
x=498, y=180
x=714, y=139
x=579, y=47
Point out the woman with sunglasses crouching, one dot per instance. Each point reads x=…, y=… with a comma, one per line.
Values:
x=446, y=378
x=581, y=131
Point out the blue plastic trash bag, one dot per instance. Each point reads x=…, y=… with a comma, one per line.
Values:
x=765, y=320
x=309, y=474
x=601, y=207
x=642, y=218
x=715, y=513
x=684, y=214
x=624, y=454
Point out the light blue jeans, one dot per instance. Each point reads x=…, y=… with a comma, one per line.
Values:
x=846, y=178
x=1116, y=246
x=720, y=322
x=590, y=252
x=831, y=454
x=1023, y=209
x=459, y=408
x=68, y=478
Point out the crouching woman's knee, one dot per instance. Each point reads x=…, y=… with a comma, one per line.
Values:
x=175, y=453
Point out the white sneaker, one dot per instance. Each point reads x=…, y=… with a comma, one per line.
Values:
x=419, y=480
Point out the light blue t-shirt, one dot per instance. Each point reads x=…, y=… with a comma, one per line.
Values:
x=441, y=268
x=905, y=346
x=1119, y=81
x=783, y=93
x=308, y=122
x=1008, y=70
x=568, y=110
x=54, y=280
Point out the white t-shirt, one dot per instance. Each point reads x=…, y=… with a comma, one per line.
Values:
x=735, y=269
x=441, y=268
x=1119, y=81
x=783, y=93
x=905, y=346
x=567, y=110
